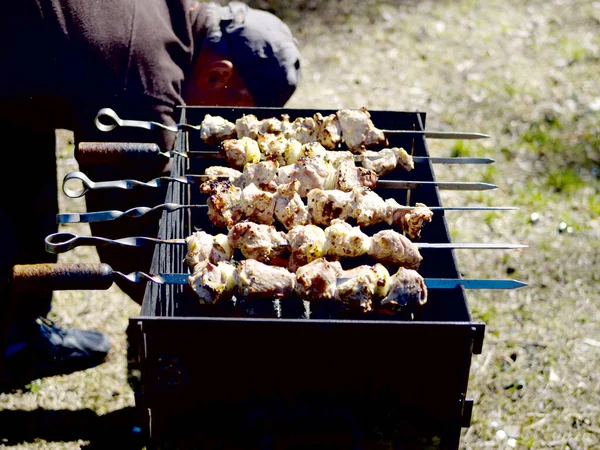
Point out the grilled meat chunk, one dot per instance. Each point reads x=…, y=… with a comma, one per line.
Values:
x=224, y=208
x=360, y=287
x=406, y=289
x=255, y=280
x=257, y=241
x=290, y=210
x=307, y=243
x=344, y=240
x=358, y=129
x=326, y=205
x=387, y=160
x=258, y=205
x=213, y=282
x=329, y=132
x=239, y=152
x=202, y=246
x=317, y=280
x=215, y=129
x=411, y=220
x=389, y=246
x=310, y=172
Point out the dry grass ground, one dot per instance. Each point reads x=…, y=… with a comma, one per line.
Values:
x=527, y=74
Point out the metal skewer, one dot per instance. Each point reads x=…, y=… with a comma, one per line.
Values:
x=199, y=179
x=56, y=277
x=63, y=242
x=458, y=160
x=115, y=121
x=104, y=216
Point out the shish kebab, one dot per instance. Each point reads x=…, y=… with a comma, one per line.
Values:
x=292, y=249
x=361, y=288
x=351, y=126
x=228, y=205
x=239, y=152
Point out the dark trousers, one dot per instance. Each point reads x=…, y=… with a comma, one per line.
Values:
x=27, y=212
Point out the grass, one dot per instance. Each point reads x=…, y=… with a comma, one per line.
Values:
x=527, y=74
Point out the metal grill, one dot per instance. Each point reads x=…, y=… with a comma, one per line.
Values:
x=209, y=375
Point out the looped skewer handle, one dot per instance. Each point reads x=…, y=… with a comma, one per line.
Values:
x=123, y=184
x=115, y=121
x=63, y=242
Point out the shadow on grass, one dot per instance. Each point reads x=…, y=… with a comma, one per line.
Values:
x=117, y=429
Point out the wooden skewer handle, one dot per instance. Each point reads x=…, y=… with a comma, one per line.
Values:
x=36, y=278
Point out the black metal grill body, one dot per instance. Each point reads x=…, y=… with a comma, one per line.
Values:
x=240, y=381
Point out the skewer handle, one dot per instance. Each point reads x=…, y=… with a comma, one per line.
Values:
x=117, y=152
x=36, y=278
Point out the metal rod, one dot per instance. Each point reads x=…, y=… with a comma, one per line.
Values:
x=89, y=185
x=431, y=283
x=107, y=120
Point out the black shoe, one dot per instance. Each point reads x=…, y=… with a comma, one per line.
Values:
x=49, y=351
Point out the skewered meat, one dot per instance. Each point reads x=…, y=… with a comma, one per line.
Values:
x=387, y=160
x=276, y=147
x=317, y=280
x=215, y=129
x=239, y=152
x=290, y=210
x=358, y=129
x=389, y=246
x=311, y=172
x=413, y=220
x=203, y=246
x=219, y=172
x=257, y=241
x=224, y=209
x=306, y=243
x=258, y=205
x=352, y=126
x=406, y=288
x=344, y=240
x=330, y=131
x=255, y=280
x=213, y=282
x=362, y=288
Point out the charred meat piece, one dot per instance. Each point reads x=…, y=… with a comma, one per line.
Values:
x=317, y=280
x=329, y=132
x=258, y=241
x=326, y=205
x=307, y=243
x=290, y=210
x=406, y=289
x=412, y=220
x=224, y=208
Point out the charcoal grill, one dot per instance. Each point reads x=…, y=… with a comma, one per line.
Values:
x=230, y=380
